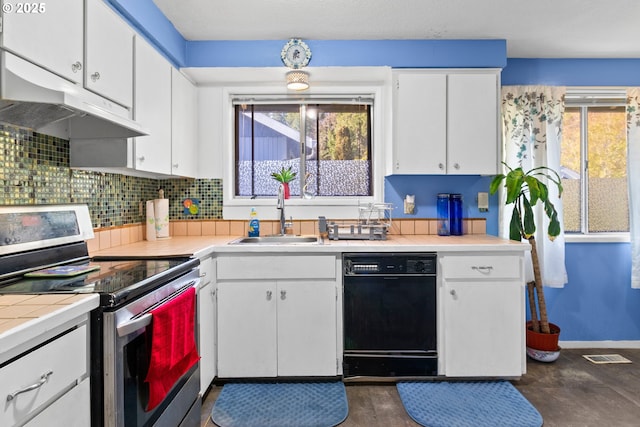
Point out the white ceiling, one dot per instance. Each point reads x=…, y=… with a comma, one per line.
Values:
x=532, y=28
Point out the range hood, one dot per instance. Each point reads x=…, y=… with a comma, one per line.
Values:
x=33, y=97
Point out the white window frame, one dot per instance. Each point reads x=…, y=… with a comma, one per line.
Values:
x=585, y=97
x=219, y=143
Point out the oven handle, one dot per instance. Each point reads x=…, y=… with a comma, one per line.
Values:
x=144, y=320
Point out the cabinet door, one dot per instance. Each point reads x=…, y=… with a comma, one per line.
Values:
x=420, y=124
x=207, y=323
x=483, y=328
x=109, y=54
x=247, y=329
x=472, y=116
x=52, y=38
x=184, y=122
x=307, y=328
x=152, y=109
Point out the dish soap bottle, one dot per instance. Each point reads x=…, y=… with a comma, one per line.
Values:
x=254, y=224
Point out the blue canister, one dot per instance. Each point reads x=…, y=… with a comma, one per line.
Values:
x=455, y=212
x=442, y=207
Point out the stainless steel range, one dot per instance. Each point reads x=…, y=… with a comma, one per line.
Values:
x=43, y=250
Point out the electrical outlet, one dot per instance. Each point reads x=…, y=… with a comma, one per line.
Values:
x=483, y=202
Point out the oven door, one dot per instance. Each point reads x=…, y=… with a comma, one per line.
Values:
x=127, y=351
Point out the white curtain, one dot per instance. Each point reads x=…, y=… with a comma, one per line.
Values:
x=633, y=174
x=532, y=132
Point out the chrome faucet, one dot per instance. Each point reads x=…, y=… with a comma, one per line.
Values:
x=280, y=206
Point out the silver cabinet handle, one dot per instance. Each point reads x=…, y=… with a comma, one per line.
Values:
x=452, y=292
x=204, y=274
x=456, y=166
x=43, y=379
x=141, y=158
x=95, y=76
x=176, y=165
x=482, y=268
x=440, y=166
x=76, y=66
x=269, y=294
x=283, y=295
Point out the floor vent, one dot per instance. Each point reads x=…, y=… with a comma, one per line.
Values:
x=606, y=358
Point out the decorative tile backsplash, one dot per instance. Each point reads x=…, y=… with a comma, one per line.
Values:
x=34, y=170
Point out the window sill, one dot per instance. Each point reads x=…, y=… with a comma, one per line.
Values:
x=597, y=238
x=307, y=209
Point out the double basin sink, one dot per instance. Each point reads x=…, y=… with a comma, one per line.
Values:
x=278, y=239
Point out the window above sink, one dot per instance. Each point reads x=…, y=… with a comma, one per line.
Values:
x=221, y=89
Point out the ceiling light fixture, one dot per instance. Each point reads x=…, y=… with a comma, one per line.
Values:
x=297, y=80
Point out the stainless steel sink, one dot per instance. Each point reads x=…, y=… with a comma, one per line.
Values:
x=278, y=239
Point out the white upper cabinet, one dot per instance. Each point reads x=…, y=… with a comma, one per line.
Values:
x=152, y=109
x=420, y=124
x=109, y=54
x=446, y=122
x=472, y=123
x=51, y=38
x=184, y=130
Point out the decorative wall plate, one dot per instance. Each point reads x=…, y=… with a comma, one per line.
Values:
x=295, y=54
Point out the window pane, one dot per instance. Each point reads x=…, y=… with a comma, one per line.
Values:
x=570, y=169
x=335, y=157
x=267, y=139
x=344, y=144
x=607, y=168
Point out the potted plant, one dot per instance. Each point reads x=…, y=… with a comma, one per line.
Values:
x=285, y=176
x=525, y=190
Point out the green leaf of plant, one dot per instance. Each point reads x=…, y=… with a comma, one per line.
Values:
x=514, y=226
x=514, y=184
x=529, y=221
x=554, y=227
x=495, y=183
x=534, y=188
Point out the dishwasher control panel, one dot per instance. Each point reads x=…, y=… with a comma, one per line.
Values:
x=389, y=264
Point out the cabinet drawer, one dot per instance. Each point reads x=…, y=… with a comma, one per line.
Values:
x=73, y=409
x=65, y=358
x=481, y=267
x=277, y=267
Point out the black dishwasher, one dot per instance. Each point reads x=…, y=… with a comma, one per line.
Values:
x=390, y=315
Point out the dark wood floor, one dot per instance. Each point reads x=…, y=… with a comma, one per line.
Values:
x=571, y=392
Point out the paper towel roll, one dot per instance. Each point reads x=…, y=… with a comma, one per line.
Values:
x=161, y=211
x=151, y=221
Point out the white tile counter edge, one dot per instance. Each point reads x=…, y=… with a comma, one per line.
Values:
x=23, y=337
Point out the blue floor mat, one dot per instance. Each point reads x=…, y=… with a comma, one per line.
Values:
x=286, y=404
x=467, y=404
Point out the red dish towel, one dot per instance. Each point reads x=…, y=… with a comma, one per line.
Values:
x=173, y=345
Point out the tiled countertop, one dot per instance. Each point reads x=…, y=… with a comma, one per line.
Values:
x=24, y=318
x=202, y=245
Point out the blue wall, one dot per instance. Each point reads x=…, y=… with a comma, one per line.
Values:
x=426, y=187
x=598, y=303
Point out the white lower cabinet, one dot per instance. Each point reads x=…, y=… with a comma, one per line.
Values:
x=48, y=385
x=482, y=316
x=207, y=323
x=277, y=327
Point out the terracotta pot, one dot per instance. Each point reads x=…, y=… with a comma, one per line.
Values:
x=545, y=342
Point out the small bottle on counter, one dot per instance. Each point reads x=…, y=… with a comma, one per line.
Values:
x=442, y=207
x=254, y=224
x=455, y=201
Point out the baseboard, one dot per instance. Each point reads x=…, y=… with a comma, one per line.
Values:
x=599, y=344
